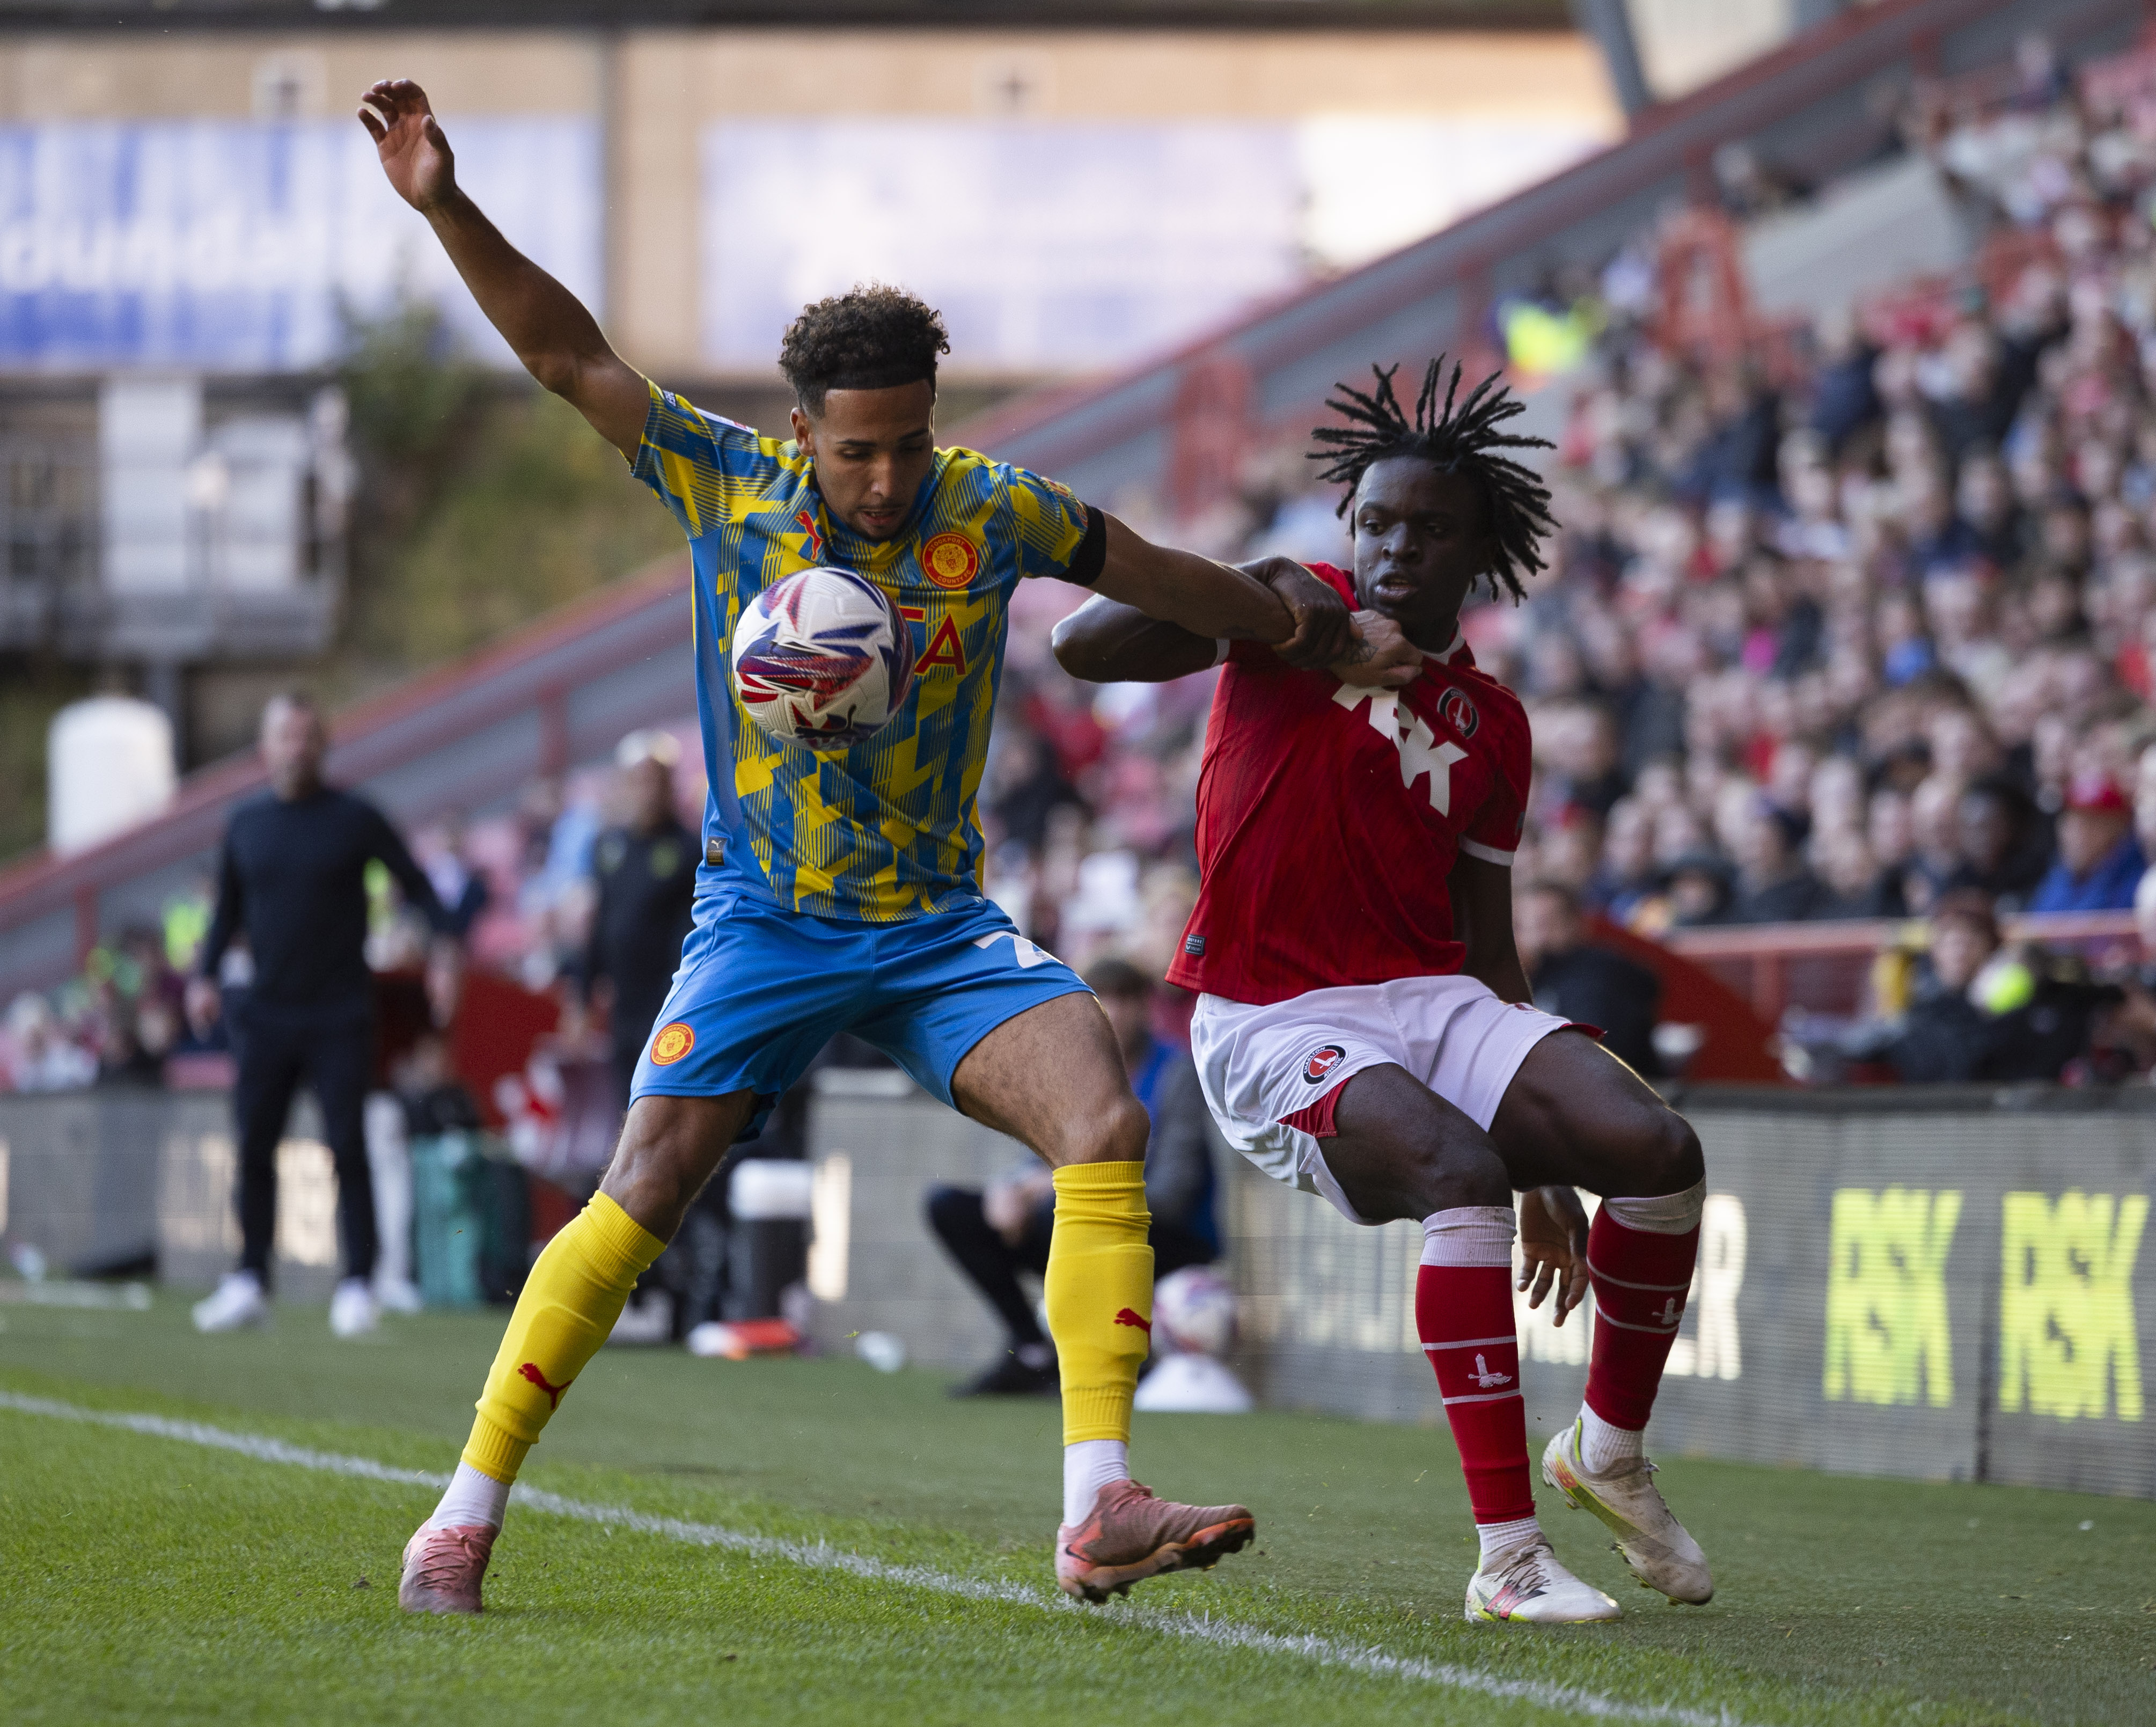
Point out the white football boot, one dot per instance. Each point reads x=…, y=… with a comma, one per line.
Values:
x=1527, y=1584
x=352, y=1309
x=1659, y=1550
x=238, y=1300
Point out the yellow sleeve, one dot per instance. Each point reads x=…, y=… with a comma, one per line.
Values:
x=692, y=459
x=1046, y=520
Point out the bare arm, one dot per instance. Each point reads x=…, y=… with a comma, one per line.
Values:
x=558, y=340
x=1307, y=623
x=1482, y=919
x=1108, y=640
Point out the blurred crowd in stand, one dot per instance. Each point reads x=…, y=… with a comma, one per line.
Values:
x=1844, y=617
x=1847, y=619
x=550, y=894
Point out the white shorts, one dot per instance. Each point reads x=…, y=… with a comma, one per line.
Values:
x=1261, y=1066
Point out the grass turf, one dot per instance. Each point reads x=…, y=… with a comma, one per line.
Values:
x=150, y=1578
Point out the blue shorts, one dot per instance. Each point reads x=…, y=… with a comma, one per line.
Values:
x=761, y=990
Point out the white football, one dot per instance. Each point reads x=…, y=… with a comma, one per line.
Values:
x=821, y=658
x=1195, y=1310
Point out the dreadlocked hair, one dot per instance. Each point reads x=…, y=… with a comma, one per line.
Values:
x=1462, y=439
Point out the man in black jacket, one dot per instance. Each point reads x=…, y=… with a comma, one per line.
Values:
x=1574, y=980
x=647, y=880
x=293, y=881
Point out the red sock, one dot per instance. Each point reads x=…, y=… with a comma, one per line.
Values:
x=1640, y=1279
x=1464, y=1314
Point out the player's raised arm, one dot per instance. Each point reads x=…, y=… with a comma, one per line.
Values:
x=558, y=341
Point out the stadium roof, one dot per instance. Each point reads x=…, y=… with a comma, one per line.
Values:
x=165, y=15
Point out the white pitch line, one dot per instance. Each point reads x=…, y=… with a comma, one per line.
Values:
x=822, y=1556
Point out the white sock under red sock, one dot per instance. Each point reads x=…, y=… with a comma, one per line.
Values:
x=1603, y=1447
x=1503, y=1537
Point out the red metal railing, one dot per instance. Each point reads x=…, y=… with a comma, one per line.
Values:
x=534, y=669
x=1822, y=967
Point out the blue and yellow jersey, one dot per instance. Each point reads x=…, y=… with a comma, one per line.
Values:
x=887, y=829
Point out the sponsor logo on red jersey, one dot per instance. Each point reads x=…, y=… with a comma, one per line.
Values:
x=1323, y=1062
x=1457, y=711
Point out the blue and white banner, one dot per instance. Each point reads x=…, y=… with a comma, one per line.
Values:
x=236, y=245
x=1066, y=246
x=1047, y=247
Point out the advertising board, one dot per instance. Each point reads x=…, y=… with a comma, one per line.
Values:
x=1956, y=1292
x=239, y=245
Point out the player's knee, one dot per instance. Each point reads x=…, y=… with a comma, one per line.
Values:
x=1667, y=1157
x=659, y=1168
x=1450, y=1170
x=1115, y=1134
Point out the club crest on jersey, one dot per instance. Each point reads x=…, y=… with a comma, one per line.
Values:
x=1323, y=1063
x=1457, y=711
x=949, y=560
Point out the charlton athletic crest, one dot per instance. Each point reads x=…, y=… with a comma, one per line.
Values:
x=1457, y=711
x=1323, y=1063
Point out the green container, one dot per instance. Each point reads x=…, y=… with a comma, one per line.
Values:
x=450, y=1190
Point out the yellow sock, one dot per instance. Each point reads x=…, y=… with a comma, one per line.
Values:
x=1099, y=1293
x=574, y=1294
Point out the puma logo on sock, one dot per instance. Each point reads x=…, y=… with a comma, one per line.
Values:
x=1127, y=1317
x=530, y=1370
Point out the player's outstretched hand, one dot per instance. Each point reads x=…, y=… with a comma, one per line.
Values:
x=1553, y=1248
x=1379, y=654
x=1323, y=630
x=414, y=154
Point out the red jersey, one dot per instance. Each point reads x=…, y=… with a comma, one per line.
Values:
x=1329, y=816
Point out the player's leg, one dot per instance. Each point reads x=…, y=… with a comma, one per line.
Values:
x=269, y=1066
x=1051, y=1077
x=669, y=1148
x=1391, y=1147
x=756, y=994
x=1575, y=1114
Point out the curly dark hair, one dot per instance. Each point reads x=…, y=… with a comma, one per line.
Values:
x=1455, y=440
x=867, y=339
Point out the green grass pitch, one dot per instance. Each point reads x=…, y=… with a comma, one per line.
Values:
x=146, y=1578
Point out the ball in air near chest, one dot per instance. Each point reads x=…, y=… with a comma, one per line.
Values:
x=821, y=658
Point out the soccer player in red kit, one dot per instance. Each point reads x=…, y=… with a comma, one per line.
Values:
x=1364, y=1027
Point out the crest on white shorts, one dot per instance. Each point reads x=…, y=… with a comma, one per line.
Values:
x=1322, y=1062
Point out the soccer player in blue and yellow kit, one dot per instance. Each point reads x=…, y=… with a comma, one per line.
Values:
x=840, y=890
